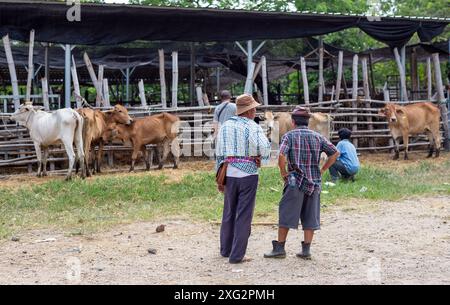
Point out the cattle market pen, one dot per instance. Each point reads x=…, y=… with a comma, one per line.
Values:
x=358, y=111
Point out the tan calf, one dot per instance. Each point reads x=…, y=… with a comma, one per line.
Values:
x=160, y=129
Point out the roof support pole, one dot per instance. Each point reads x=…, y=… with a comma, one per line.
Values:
x=127, y=84
x=67, y=80
x=46, y=62
x=192, y=75
x=250, y=68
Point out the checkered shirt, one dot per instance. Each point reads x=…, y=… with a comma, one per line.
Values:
x=302, y=148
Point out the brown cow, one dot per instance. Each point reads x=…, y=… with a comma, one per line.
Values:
x=413, y=119
x=319, y=122
x=95, y=123
x=160, y=129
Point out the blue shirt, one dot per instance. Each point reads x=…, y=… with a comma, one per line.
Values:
x=348, y=156
x=226, y=111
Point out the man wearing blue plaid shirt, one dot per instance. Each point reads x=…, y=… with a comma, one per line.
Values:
x=242, y=144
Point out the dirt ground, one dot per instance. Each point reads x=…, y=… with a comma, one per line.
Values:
x=404, y=242
x=361, y=242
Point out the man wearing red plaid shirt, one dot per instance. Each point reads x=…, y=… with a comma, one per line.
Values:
x=300, y=150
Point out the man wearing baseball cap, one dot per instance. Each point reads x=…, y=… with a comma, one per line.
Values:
x=241, y=144
x=347, y=165
x=300, y=150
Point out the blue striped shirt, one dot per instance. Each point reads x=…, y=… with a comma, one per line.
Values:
x=241, y=137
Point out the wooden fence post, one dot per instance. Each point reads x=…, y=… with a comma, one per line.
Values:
x=264, y=80
x=106, y=93
x=321, y=81
x=174, y=79
x=429, y=80
x=305, y=80
x=142, y=93
x=200, y=96
x=339, y=76
x=365, y=78
x=99, y=99
x=402, y=76
x=30, y=67
x=355, y=121
x=162, y=78
x=387, y=98
x=355, y=77
x=441, y=99
x=45, y=94
x=76, y=84
x=414, y=75
x=354, y=97
x=90, y=68
x=12, y=71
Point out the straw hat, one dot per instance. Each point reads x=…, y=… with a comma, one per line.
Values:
x=245, y=102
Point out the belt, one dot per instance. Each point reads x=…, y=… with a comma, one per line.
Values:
x=240, y=159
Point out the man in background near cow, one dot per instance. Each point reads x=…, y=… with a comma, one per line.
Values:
x=241, y=145
x=224, y=111
x=347, y=165
x=300, y=150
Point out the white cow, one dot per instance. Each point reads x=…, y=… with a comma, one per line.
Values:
x=63, y=125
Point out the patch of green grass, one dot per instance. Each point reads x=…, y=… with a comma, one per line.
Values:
x=88, y=205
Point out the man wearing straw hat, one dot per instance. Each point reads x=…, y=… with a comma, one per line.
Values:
x=300, y=150
x=241, y=145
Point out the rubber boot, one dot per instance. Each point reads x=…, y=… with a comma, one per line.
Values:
x=277, y=251
x=306, y=253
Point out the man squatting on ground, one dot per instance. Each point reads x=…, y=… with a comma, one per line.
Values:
x=347, y=165
x=300, y=150
x=242, y=144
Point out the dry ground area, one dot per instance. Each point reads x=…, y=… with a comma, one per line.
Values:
x=404, y=242
x=361, y=242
